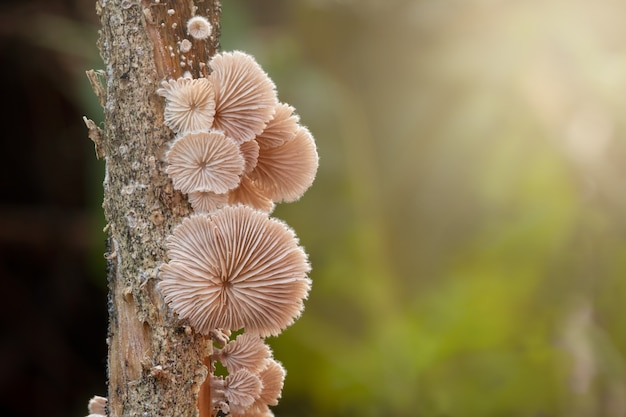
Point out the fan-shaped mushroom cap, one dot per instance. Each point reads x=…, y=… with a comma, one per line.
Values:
x=272, y=378
x=199, y=27
x=245, y=96
x=97, y=405
x=237, y=268
x=205, y=161
x=189, y=104
x=249, y=194
x=207, y=201
x=285, y=172
x=242, y=388
x=247, y=351
x=280, y=129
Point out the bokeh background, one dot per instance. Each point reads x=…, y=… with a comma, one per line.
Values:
x=467, y=226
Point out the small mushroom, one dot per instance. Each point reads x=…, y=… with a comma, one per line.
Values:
x=97, y=406
x=245, y=96
x=189, y=104
x=185, y=46
x=285, y=172
x=199, y=27
x=247, y=351
x=272, y=380
x=204, y=161
x=280, y=129
x=242, y=388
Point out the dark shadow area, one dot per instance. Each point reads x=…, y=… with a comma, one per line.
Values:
x=54, y=312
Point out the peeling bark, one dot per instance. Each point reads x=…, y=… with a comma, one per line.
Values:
x=155, y=363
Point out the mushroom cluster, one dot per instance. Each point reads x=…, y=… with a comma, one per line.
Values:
x=235, y=141
x=235, y=274
x=254, y=381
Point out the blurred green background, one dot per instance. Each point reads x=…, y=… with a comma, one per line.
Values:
x=467, y=226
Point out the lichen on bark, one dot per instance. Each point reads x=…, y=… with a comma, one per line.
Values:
x=155, y=364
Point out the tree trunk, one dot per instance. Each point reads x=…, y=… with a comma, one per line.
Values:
x=155, y=365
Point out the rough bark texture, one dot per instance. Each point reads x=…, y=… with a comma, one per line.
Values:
x=155, y=362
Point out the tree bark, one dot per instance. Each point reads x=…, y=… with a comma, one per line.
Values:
x=155, y=363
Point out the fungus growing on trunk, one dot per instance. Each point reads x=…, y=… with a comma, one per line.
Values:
x=235, y=269
x=247, y=351
x=205, y=162
x=282, y=165
x=189, y=104
x=281, y=128
x=272, y=378
x=234, y=151
x=198, y=27
x=235, y=393
x=97, y=406
x=231, y=267
x=245, y=96
x=285, y=172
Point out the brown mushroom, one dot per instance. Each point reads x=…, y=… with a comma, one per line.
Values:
x=242, y=388
x=199, y=27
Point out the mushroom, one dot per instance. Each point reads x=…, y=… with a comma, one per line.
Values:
x=206, y=201
x=247, y=351
x=280, y=129
x=189, y=104
x=184, y=46
x=241, y=389
x=245, y=96
x=285, y=172
x=97, y=406
x=236, y=392
x=235, y=269
x=199, y=27
x=272, y=380
x=204, y=161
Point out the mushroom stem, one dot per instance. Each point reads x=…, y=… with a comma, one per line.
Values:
x=204, y=397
